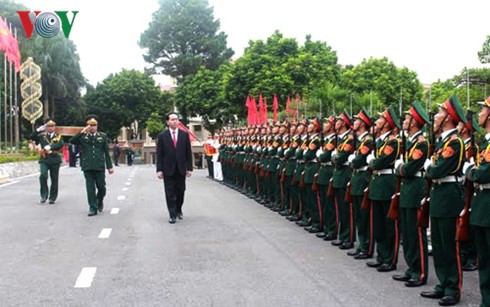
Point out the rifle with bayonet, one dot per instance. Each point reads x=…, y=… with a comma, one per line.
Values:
x=348, y=193
x=423, y=213
x=302, y=183
x=366, y=202
x=331, y=191
x=463, y=225
x=395, y=200
x=314, y=186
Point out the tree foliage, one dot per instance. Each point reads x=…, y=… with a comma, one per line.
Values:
x=484, y=53
x=124, y=98
x=182, y=37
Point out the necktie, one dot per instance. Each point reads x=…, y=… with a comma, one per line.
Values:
x=174, y=139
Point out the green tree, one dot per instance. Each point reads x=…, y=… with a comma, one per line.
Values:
x=203, y=94
x=383, y=78
x=183, y=37
x=484, y=53
x=123, y=99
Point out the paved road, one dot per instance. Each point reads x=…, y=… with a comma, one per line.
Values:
x=228, y=251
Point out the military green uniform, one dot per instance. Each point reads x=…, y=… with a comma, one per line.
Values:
x=298, y=172
x=446, y=203
x=480, y=217
x=411, y=193
x=291, y=184
x=359, y=182
x=311, y=168
x=95, y=158
x=341, y=176
x=329, y=207
x=381, y=189
x=49, y=161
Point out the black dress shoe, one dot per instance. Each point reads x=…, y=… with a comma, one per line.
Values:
x=307, y=228
x=363, y=256
x=469, y=267
x=346, y=246
x=314, y=230
x=301, y=223
x=51, y=202
x=329, y=237
x=42, y=200
x=180, y=216
x=432, y=294
x=401, y=277
x=386, y=268
x=353, y=253
x=337, y=242
x=283, y=213
x=448, y=301
x=411, y=283
x=171, y=220
x=321, y=235
x=373, y=264
x=92, y=213
x=101, y=206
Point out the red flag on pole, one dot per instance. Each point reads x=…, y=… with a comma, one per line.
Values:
x=275, y=106
x=248, y=104
x=261, y=109
x=255, y=114
x=265, y=111
x=9, y=45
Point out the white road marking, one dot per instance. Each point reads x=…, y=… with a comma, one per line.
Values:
x=129, y=179
x=125, y=189
x=86, y=277
x=9, y=183
x=114, y=210
x=128, y=183
x=105, y=233
x=121, y=197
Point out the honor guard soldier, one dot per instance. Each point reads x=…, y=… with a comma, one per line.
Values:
x=479, y=173
x=359, y=181
x=95, y=158
x=329, y=207
x=382, y=188
x=49, y=161
x=311, y=168
x=299, y=173
x=275, y=192
x=290, y=157
x=411, y=169
x=446, y=202
x=341, y=176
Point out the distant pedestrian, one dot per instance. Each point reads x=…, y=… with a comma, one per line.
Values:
x=94, y=160
x=73, y=155
x=129, y=155
x=174, y=163
x=116, y=152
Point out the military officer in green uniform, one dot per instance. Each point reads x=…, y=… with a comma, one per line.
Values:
x=295, y=132
x=382, y=188
x=311, y=168
x=411, y=169
x=446, y=202
x=95, y=158
x=359, y=181
x=479, y=174
x=341, y=176
x=49, y=161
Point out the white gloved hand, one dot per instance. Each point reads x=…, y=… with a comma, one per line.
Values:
x=47, y=147
x=472, y=160
x=351, y=158
x=467, y=165
x=334, y=152
x=398, y=163
x=370, y=158
x=319, y=153
x=41, y=128
x=427, y=163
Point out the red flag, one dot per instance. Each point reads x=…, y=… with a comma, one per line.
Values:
x=9, y=45
x=4, y=36
x=264, y=113
x=192, y=136
x=261, y=109
x=275, y=106
x=248, y=104
x=255, y=112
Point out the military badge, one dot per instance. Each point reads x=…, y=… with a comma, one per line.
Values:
x=417, y=154
x=312, y=146
x=364, y=150
x=448, y=152
x=347, y=147
x=388, y=150
x=330, y=146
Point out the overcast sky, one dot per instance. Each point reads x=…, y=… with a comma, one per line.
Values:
x=434, y=38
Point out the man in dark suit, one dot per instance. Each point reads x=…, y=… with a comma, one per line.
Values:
x=174, y=163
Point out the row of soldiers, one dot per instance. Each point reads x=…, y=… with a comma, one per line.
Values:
x=366, y=184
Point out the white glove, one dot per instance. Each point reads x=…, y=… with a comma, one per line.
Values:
x=319, y=153
x=472, y=160
x=334, y=152
x=47, y=147
x=41, y=128
x=370, y=158
x=398, y=163
x=427, y=163
x=351, y=158
x=467, y=165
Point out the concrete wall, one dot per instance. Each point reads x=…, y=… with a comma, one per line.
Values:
x=17, y=169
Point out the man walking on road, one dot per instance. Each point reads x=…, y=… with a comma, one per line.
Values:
x=49, y=160
x=174, y=163
x=95, y=159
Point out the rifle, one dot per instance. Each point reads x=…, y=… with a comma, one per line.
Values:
x=463, y=224
x=423, y=213
x=348, y=196
x=366, y=202
x=331, y=191
x=288, y=143
x=395, y=200
x=314, y=186
x=302, y=183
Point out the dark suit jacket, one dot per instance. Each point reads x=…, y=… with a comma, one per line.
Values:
x=170, y=159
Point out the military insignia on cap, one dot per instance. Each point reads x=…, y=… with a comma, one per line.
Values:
x=448, y=152
x=417, y=154
x=388, y=150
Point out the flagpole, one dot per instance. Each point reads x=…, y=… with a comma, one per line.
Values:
x=468, y=88
x=350, y=98
x=371, y=102
x=16, y=108
x=11, y=132
x=5, y=101
x=320, y=107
